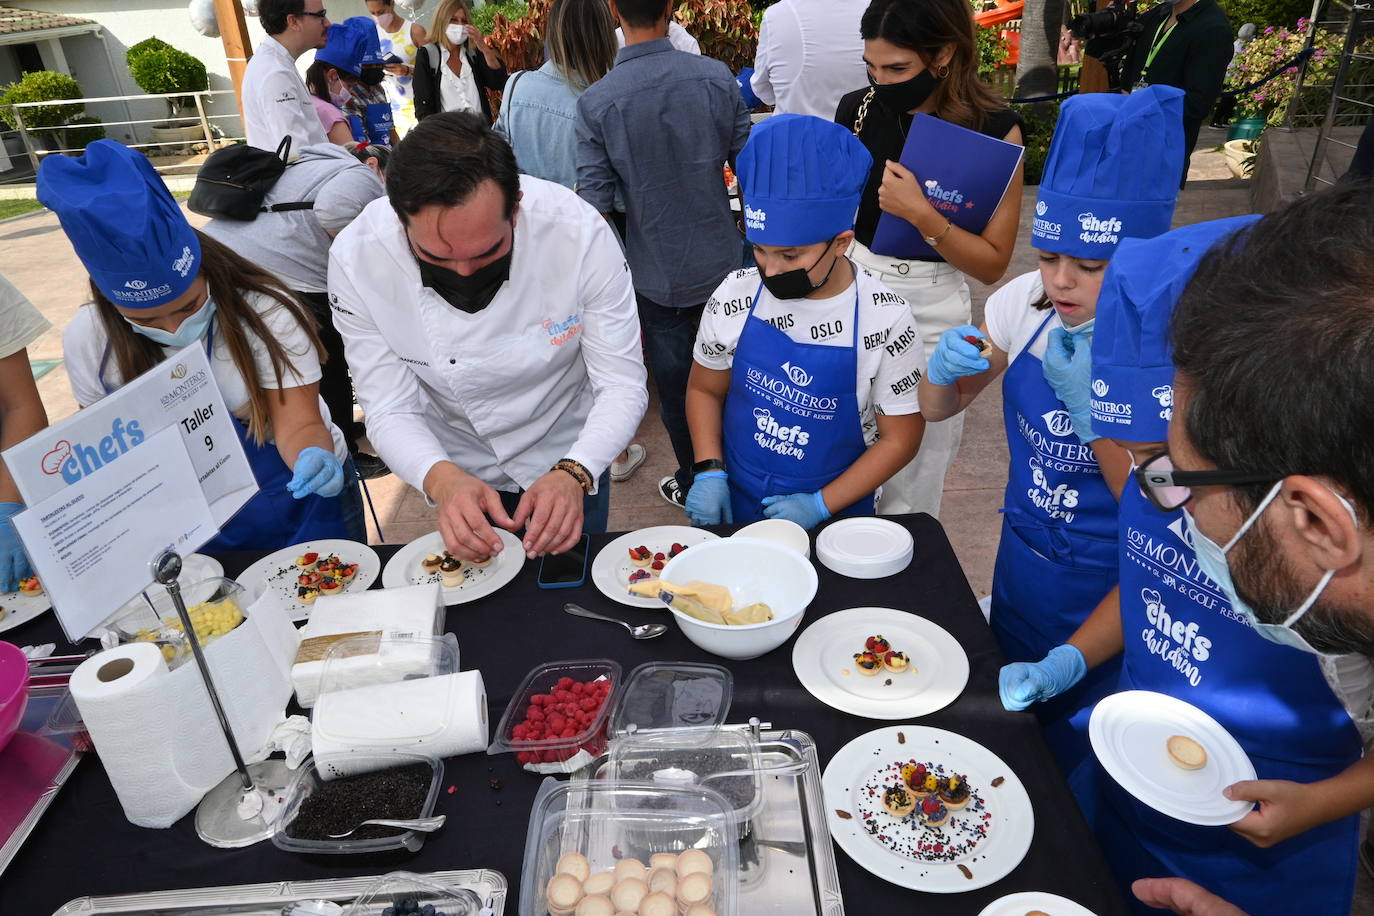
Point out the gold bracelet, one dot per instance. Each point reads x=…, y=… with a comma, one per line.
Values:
x=575, y=470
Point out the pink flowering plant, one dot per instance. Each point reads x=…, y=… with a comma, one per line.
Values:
x=1267, y=51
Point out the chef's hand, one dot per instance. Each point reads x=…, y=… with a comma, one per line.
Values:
x=551, y=511
x=1068, y=367
x=14, y=563
x=806, y=509
x=708, y=502
x=1182, y=897
x=316, y=471
x=900, y=193
x=955, y=357
x=1286, y=809
x=1022, y=683
x=467, y=507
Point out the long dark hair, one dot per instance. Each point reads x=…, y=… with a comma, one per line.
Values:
x=230, y=279
x=926, y=27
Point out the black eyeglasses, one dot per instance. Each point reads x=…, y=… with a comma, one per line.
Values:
x=318, y=15
x=1170, y=489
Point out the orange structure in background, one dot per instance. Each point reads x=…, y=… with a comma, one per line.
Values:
x=1003, y=12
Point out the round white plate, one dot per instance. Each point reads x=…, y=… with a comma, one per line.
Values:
x=20, y=609
x=1129, y=731
x=612, y=567
x=781, y=531
x=855, y=770
x=1020, y=904
x=823, y=658
x=865, y=547
x=278, y=571
x=403, y=569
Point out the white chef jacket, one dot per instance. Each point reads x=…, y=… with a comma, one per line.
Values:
x=809, y=54
x=550, y=369
x=276, y=102
x=678, y=37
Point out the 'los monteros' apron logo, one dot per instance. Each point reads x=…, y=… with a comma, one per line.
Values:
x=797, y=374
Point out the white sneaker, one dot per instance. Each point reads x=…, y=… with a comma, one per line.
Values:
x=622, y=471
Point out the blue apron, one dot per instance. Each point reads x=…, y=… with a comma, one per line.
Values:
x=376, y=127
x=791, y=419
x=1057, y=558
x=1183, y=639
x=272, y=518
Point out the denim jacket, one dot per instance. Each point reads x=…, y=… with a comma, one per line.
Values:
x=538, y=117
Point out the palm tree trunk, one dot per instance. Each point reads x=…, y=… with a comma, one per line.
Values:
x=1037, y=71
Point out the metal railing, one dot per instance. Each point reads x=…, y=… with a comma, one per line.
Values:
x=209, y=133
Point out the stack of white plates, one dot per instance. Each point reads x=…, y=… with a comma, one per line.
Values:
x=865, y=548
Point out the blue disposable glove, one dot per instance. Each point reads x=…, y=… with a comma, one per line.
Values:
x=955, y=357
x=806, y=509
x=317, y=471
x=708, y=502
x=1022, y=683
x=14, y=563
x=1068, y=367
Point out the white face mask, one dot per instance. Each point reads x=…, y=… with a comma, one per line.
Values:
x=456, y=33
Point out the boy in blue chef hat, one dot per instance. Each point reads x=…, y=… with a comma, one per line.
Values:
x=353, y=48
x=1182, y=633
x=802, y=397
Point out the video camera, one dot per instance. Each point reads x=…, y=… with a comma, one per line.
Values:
x=1108, y=35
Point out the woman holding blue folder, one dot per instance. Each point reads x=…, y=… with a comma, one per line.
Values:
x=1112, y=173
x=922, y=56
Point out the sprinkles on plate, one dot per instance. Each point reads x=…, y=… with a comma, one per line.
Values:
x=911, y=836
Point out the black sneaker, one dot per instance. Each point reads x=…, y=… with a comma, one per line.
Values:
x=672, y=493
x=370, y=467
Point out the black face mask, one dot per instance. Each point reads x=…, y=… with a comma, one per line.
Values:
x=373, y=76
x=795, y=283
x=474, y=292
x=907, y=95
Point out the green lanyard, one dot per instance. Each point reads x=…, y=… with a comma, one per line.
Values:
x=1157, y=44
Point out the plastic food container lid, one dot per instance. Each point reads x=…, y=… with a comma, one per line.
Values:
x=691, y=757
x=399, y=886
x=608, y=822
x=358, y=687
x=865, y=548
x=675, y=695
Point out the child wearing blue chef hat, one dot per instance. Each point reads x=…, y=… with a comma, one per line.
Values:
x=1112, y=174
x=802, y=396
x=354, y=49
x=1178, y=635
x=158, y=286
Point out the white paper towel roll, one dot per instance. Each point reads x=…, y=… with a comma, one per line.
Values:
x=156, y=731
x=433, y=716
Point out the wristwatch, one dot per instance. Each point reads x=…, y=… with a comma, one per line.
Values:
x=934, y=240
x=710, y=464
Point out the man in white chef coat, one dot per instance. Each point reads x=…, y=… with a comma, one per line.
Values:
x=276, y=103
x=491, y=329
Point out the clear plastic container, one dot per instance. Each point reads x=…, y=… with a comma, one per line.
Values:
x=394, y=889
x=310, y=779
x=345, y=705
x=673, y=695
x=608, y=822
x=216, y=606
x=561, y=754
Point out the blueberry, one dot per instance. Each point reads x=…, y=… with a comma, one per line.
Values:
x=427, y=910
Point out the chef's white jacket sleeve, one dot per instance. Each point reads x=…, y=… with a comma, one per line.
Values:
x=764, y=56
x=282, y=110
x=387, y=390
x=611, y=350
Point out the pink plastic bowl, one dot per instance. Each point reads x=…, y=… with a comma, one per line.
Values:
x=14, y=694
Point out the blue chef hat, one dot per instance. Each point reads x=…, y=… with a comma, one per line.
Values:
x=1133, y=370
x=1112, y=171
x=801, y=178
x=371, y=41
x=121, y=219
x=343, y=49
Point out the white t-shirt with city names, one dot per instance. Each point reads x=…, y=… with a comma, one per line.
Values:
x=891, y=361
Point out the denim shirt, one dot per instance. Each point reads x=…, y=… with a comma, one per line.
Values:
x=538, y=119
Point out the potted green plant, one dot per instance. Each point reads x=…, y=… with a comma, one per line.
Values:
x=159, y=69
x=1267, y=104
x=42, y=86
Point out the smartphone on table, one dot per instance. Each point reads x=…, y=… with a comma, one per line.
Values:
x=567, y=569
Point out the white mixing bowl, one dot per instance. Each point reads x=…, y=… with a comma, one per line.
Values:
x=754, y=570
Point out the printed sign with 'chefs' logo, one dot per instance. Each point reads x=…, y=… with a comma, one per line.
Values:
x=783, y=440
x=754, y=218
x=1102, y=230
x=1180, y=643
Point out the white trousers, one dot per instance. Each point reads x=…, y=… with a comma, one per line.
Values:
x=939, y=300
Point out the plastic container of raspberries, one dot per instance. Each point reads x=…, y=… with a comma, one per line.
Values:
x=556, y=720
x=401, y=893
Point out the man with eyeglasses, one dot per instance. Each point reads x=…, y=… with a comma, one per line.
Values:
x=1184, y=633
x=276, y=103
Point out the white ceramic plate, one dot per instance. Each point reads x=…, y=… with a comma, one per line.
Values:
x=612, y=567
x=1026, y=901
x=403, y=569
x=278, y=572
x=980, y=845
x=865, y=547
x=784, y=532
x=1129, y=731
x=19, y=609
x=823, y=658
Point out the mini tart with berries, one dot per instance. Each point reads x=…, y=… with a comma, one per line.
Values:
x=868, y=663
x=307, y=561
x=348, y=573
x=877, y=645
x=898, y=801
x=306, y=594
x=954, y=792
x=30, y=585
x=656, y=567
x=915, y=776
x=308, y=580
x=676, y=549
x=933, y=811
x=895, y=661
x=327, y=565
x=639, y=575
x=982, y=345
x=330, y=586
x=640, y=556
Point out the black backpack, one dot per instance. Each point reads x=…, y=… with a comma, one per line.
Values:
x=233, y=181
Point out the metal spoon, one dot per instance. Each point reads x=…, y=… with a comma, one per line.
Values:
x=643, y=631
x=421, y=824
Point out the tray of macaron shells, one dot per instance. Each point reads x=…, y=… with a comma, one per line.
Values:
x=606, y=848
